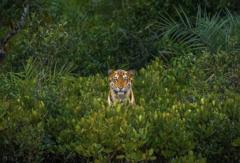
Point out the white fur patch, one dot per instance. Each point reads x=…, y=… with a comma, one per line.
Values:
x=120, y=93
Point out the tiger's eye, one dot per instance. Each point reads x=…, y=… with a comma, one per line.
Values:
x=114, y=79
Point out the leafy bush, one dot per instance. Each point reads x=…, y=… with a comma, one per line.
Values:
x=188, y=111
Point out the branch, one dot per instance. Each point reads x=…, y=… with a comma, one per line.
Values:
x=2, y=55
x=18, y=27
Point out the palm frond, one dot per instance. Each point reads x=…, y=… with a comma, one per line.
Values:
x=211, y=33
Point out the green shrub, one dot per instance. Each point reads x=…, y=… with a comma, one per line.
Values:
x=21, y=124
x=183, y=113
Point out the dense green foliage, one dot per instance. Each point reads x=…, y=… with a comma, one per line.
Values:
x=53, y=83
x=188, y=111
x=130, y=36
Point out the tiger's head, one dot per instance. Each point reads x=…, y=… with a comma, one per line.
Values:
x=120, y=82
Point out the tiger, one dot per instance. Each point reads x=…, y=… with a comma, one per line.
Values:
x=120, y=83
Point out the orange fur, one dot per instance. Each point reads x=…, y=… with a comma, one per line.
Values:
x=120, y=83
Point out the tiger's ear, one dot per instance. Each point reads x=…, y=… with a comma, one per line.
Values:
x=131, y=72
x=110, y=71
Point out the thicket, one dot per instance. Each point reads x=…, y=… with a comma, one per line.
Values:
x=53, y=83
x=186, y=112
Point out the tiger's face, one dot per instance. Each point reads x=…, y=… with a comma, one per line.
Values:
x=120, y=82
